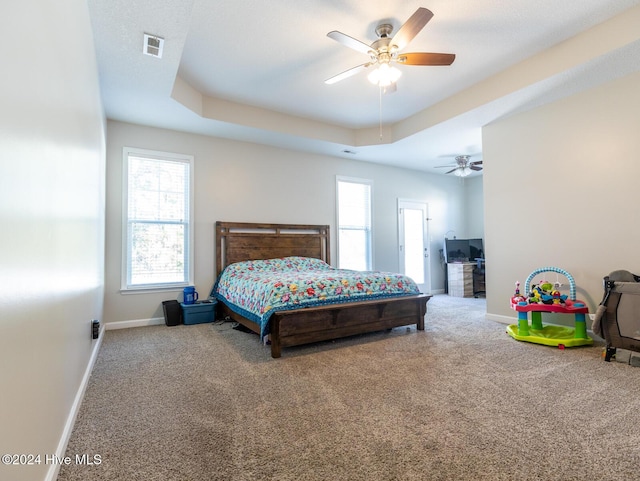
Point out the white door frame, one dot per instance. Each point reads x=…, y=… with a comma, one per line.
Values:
x=417, y=205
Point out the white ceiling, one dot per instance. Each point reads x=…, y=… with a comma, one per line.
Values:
x=254, y=71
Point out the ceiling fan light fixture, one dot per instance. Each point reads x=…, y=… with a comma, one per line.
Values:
x=462, y=171
x=384, y=75
x=388, y=49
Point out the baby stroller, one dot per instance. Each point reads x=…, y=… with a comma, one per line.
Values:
x=617, y=319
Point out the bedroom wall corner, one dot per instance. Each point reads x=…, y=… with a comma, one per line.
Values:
x=560, y=190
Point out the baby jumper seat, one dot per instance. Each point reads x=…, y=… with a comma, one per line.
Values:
x=545, y=297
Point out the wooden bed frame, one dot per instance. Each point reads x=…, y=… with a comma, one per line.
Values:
x=240, y=241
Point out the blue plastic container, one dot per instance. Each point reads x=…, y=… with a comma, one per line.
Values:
x=199, y=312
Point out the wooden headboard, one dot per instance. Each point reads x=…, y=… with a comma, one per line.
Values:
x=242, y=241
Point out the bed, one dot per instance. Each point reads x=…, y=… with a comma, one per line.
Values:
x=240, y=242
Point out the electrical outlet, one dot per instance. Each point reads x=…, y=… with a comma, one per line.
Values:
x=95, y=329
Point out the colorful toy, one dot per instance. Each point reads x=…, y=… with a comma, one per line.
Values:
x=546, y=297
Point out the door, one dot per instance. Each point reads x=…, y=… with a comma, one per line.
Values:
x=414, y=242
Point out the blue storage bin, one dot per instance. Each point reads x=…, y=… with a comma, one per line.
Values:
x=201, y=311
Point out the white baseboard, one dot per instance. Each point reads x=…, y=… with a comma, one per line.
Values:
x=501, y=319
x=54, y=469
x=154, y=321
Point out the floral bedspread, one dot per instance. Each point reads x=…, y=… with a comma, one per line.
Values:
x=256, y=289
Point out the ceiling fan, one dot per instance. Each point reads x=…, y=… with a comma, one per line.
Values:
x=386, y=50
x=462, y=167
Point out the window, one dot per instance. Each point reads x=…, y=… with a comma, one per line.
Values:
x=158, y=227
x=354, y=223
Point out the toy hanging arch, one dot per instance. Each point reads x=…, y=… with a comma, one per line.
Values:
x=557, y=270
x=539, y=301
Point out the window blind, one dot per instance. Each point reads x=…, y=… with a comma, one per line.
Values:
x=158, y=225
x=354, y=224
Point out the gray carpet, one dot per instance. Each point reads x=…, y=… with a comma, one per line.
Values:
x=460, y=401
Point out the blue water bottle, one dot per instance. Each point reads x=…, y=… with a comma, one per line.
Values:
x=190, y=295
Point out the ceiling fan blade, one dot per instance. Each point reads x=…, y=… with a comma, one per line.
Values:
x=411, y=27
x=477, y=162
x=452, y=170
x=442, y=166
x=424, y=58
x=475, y=167
x=350, y=42
x=347, y=73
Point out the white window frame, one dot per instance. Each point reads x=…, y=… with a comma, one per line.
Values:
x=189, y=275
x=369, y=247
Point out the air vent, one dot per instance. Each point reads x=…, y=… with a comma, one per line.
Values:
x=153, y=45
x=350, y=152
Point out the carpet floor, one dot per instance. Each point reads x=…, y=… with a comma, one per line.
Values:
x=460, y=401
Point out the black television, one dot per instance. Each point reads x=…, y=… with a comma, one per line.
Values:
x=463, y=250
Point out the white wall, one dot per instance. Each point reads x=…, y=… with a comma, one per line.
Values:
x=474, y=207
x=561, y=189
x=52, y=212
x=238, y=181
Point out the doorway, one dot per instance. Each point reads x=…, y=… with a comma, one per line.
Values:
x=413, y=242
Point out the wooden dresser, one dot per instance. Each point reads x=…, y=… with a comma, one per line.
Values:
x=460, y=279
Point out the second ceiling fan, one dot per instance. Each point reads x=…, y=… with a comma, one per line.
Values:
x=463, y=166
x=387, y=50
